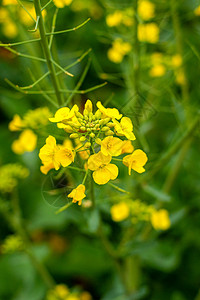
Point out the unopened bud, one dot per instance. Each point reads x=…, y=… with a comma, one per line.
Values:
x=87, y=145
x=110, y=132
x=106, y=120
x=92, y=135
x=98, y=114
x=88, y=129
x=74, y=136
x=110, y=124
x=78, y=115
x=83, y=128
x=105, y=128
x=82, y=138
x=98, y=141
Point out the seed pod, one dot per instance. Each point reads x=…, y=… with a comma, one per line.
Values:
x=74, y=135
x=82, y=138
x=105, y=128
x=92, y=135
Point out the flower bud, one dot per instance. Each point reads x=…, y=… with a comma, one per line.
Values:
x=82, y=128
x=79, y=115
x=74, y=136
x=98, y=141
x=98, y=114
x=110, y=125
x=87, y=145
x=105, y=128
x=88, y=129
x=110, y=132
x=92, y=135
x=106, y=120
x=82, y=138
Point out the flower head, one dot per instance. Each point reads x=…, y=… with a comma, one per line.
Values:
x=112, y=113
x=111, y=146
x=125, y=127
x=26, y=142
x=64, y=114
x=148, y=33
x=62, y=3
x=103, y=170
x=16, y=124
x=78, y=194
x=146, y=9
x=135, y=161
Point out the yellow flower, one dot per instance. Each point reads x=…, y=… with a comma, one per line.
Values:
x=25, y=17
x=78, y=194
x=125, y=127
x=160, y=219
x=120, y=211
x=127, y=147
x=148, y=33
x=157, y=71
x=37, y=117
x=135, y=161
x=10, y=29
x=48, y=153
x=46, y=168
x=118, y=50
x=146, y=10
x=176, y=60
x=197, y=11
x=64, y=156
x=112, y=113
x=16, y=124
x=26, y=143
x=9, y=2
x=103, y=170
x=115, y=56
x=114, y=19
x=63, y=114
x=111, y=146
x=62, y=3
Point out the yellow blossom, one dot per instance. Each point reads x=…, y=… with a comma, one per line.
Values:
x=127, y=147
x=26, y=142
x=46, y=168
x=111, y=146
x=160, y=219
x=197, y=11
x=114, y=19
x=135, y=161
x=64, y=156
x=63, y=114
x=146, y=10
x=148, y=33
x=118, y=50
x=16, y=124
x=78, y=194
x=120, y=211
x=176, y=60
x=103, y=170
x=112, y=113
x=62, y=3
x=125, y=127
x=88, y=107
x=157, y=71
x=10, y=29
x=115, y=55
x=9, y=2
x=48, y=153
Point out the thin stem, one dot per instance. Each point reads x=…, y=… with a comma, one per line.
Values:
x=53, y=27
x=47, y=53
x=118, y=188
x=92, y=189
x=68, y=30
x=20, y=43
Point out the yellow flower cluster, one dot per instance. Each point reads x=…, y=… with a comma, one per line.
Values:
x=138, y=211
x=33, y=119
x=62, y=3
x=94, y=136
x=119, y=17
x=148, y=32
x=9, y=175
x=62, y=292
x=9, y=27
x=11, y=244
x=118, y=50
x=146, y=10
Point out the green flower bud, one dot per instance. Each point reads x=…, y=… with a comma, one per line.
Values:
x=110, y=125
x=78, y=115
x=98, y=114
x=83, y=128
x=106, y=120
x=110, y=132
x=87, y=145
x=86, y=117
x=88, y=129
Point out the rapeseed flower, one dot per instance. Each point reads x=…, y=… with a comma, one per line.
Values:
x=111, y=146
x=120, y=211
x=160, y=219
x=48, y=153
x=148, y=32
x=118, y=50
x=26, y=142
x=62, y=3
x=125, y=127
x=78, y=194
x=146, y=10
x=135, y=161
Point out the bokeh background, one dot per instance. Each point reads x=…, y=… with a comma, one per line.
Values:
x=153, y=78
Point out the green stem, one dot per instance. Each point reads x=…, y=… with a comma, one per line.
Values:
x=47, y=52
x=92, y=189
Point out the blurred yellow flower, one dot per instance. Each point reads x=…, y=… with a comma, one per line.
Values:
x=112, y=113
x=120, y=211
x=26, y=142
x=103, y=170
x=48, y=153
x=197, y=11
x=10, y=29
x=157, y=71
x=78, y=194
x=16, y=124
x=62, y=3
x=135, y=161
x=160, y=219
x=9, y=2
x=85, y=296
x=114, y=19
x=180, y=77
x=125, y=127
x=88, y=107
x=118, y=50
x=146, y=10
x=176, y=60
x=111, y=146
x=148, y=33
x=11, y=244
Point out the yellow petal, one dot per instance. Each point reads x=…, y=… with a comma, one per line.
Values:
x=101, y=176
x=113, y=169
x=98, y=159
x=60, y=115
